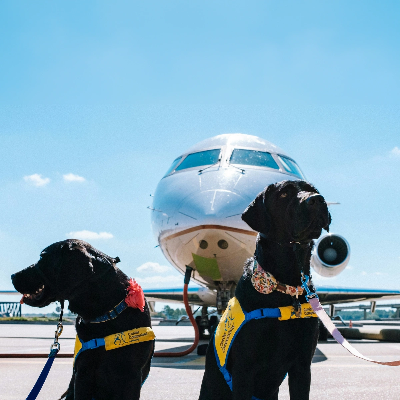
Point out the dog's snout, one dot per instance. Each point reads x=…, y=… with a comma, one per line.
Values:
x=315, y=200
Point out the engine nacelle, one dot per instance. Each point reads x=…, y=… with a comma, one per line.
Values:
x=330, y=255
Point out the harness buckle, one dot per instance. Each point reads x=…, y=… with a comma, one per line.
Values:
x=297, y=308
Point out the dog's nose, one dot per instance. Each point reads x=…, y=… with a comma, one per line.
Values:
x=315, y=200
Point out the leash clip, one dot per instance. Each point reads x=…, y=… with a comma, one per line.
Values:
x=57, y=334
x=304, y=283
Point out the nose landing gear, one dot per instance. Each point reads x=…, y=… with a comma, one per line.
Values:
x=207, y=324
x=225, y=291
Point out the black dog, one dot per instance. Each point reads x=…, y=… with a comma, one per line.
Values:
x=73, y=270
x=288, y=216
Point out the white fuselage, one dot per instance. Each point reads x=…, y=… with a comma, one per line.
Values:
x=196, y=213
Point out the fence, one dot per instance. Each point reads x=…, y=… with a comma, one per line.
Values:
x=10, y=309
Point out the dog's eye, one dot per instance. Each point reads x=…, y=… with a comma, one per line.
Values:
x=283, y=195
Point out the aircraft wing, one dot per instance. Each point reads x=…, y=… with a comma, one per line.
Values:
x=196, y=295
x=12, y=292
x=207, y=297
x=327, y=295
x=336, y=294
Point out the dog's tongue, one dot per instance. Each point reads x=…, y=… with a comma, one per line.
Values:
x=22, y=300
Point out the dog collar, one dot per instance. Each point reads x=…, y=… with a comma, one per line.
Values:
x=109, y=315
x=134, y=299
x=265, y=283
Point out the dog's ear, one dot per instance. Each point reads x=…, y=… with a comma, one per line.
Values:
x=76, y=253
x=256, y=214
x=329, y=222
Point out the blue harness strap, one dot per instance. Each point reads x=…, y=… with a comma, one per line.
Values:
x=89, y=345
x=262, y=313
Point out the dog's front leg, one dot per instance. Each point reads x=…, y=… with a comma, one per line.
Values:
x=69, y=394
x=242, y=383
x=299, y=382
x=300, y=371
x=84, y=387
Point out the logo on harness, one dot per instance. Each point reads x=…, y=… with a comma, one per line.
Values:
x=119, y=339
x=229, y=328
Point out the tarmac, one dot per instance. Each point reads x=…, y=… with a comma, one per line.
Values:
x=336, y=374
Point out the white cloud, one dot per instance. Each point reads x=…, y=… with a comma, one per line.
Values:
x=73, y=178
x=364, y=273
x=153, y=267
x=395, y=152
x=36, y=180
x=88, y=235
x=158, y=281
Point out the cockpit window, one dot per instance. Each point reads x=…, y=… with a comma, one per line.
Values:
x=201, y=158
x=291, y=167
x=172, y=167
x=252, y=157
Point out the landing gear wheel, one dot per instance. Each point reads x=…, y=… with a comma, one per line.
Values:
x=212, y=324
x=201, y=328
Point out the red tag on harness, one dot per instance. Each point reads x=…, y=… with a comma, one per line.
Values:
x=135, y=297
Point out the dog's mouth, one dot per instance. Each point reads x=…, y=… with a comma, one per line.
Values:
x=314, y=229
x=41, y=297
x=35, y=297
x=34, y=292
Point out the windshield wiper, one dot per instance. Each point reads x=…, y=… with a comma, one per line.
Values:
x=201, y=170
x=234, y=166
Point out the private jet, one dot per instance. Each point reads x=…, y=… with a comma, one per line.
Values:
x=196, y=219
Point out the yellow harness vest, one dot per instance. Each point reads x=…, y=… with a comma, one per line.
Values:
x=234, y=318
x=115, y=340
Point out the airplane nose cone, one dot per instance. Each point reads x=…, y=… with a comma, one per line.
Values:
x=212, y=204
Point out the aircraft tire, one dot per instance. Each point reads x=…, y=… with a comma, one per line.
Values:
x=212, y=324
x=201, y=328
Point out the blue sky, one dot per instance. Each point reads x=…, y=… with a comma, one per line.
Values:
x=112, y=92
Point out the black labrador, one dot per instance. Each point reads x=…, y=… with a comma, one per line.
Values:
x=288, y=216
x=73, y=270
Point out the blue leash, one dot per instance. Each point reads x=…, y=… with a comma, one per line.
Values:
x=54, y=349
x=43, y=375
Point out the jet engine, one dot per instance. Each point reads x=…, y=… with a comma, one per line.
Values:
x=330, y=255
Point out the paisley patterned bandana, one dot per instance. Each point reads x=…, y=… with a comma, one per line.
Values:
x=265, y=283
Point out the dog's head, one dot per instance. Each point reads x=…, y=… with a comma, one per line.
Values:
x=288, y=211
x=62, y=270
